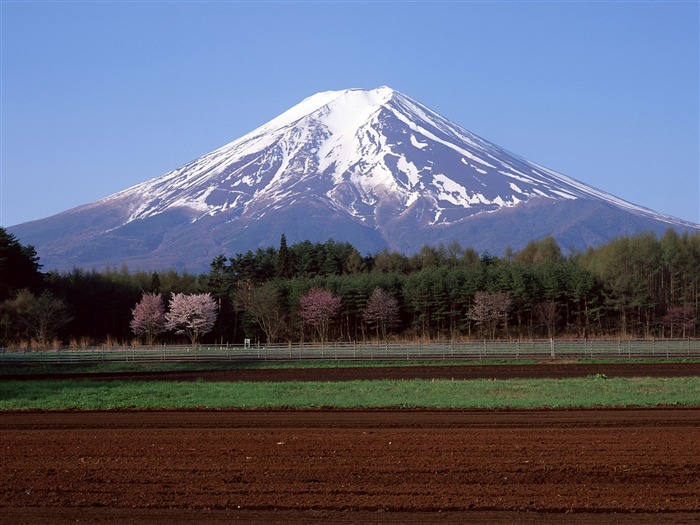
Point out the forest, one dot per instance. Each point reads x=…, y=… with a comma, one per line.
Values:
x=638, y=286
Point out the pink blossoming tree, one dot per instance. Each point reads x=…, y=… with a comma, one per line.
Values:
x=381, y=311
x=148, y=317
x=191, y=314
x=319, y=308
x=489, y=309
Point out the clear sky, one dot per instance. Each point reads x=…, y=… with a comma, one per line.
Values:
x=99, y=96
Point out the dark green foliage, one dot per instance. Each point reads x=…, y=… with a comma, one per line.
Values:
x=19, y=266
x=155, y=283
x=640, y=286
x=220, y=284
x=283, y=267
x=101, y=302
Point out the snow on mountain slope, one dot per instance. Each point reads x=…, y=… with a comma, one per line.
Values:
x=364, y=148
x=374, y=166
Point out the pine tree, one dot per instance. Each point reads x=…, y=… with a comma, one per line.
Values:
x=19, y=266
x=284, y=261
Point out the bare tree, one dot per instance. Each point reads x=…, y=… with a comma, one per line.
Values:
x=489, y=309
x=38, y=318
x=680, y=319
x=265, y=307
x=148, y=317
x=547, y=313
x=191, y=314
x=381, y=311
x=319, y=308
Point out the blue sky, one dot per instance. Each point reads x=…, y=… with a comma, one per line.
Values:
x=99, y=96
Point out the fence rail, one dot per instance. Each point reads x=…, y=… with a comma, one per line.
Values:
x=470, y=350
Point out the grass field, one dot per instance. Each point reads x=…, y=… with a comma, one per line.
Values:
x=513, y=393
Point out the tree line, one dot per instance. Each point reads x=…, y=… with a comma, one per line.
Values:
x=637, y=286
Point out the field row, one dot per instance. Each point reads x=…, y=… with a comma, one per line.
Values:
x=215, y=467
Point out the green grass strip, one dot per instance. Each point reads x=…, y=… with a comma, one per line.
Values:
x=515, y=393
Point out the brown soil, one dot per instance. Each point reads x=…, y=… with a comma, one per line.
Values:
x=528, y=371
x=382, y=466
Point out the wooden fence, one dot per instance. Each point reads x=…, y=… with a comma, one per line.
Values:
x=470, y=350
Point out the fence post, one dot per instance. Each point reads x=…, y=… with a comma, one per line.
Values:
x=551, y=347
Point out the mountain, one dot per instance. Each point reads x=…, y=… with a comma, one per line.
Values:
x=371, y=167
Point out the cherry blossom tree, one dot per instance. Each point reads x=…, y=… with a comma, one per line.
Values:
x=381, y=311
x=191, y=314
x=319, y=308
x=148, y=317
x=489, y=309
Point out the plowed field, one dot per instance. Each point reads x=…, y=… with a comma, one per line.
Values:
x=378, y=466
x=555, y=369
x=174, y=467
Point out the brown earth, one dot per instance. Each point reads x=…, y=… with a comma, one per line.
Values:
x=637, y=466
x=555, y=369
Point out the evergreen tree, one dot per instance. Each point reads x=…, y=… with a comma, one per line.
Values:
x=19, y=266
x=155, y=283
x=283, y=266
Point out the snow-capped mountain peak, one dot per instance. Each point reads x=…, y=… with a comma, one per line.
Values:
x=361, y=164
x=359, y=149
